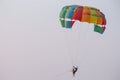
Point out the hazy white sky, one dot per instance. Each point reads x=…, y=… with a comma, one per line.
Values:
x=34, y=46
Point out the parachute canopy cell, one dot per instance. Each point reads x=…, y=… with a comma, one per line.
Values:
x=69, y=14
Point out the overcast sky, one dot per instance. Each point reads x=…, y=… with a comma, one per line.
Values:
x=34, y=46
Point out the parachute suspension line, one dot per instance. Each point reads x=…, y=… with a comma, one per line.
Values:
x=67, y=38
x=77, y=44
x=70, y=55
x=74, y=48
x=72, y=37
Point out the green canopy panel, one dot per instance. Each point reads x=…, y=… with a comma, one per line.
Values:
x=99, y=29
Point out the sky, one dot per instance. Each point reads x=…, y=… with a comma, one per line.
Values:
x=34, y=46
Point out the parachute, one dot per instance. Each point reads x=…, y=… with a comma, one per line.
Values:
x=69, y=14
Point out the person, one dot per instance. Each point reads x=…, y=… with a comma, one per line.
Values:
x=74, y=70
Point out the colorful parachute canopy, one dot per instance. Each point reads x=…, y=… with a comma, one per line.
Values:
x=69, y=14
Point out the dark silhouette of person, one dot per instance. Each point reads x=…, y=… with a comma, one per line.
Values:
x=74, y=70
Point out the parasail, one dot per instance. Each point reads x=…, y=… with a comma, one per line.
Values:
x=69, y=14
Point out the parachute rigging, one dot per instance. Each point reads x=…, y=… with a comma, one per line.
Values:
x=70, y=13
